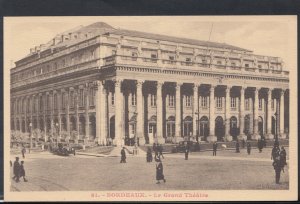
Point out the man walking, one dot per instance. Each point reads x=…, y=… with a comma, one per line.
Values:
x=16, y=170
x=23, y=152
x=248, y=148
x=275, y=152
x=160, y=150
x=277, y=168
x=186, y=151
x=282, y=158
x=22, y=171
x=123, y=155
x=215, y=147
x=237, y=147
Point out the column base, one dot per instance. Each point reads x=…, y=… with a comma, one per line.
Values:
x=282, y=135
x=178, y=139
x=255, y=136
x=269, y=136
x=228, y=138
x=242, y=137
x=211, y=138
x=142, y=141
x=159, y=140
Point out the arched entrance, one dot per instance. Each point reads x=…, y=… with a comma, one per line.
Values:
x=73, y=123
x=260, y=126
x=112, y=127
x=151, y=129
x=63, y=124
x=234, y=131
x=188, y=126
x=132, y=131
x=204, y=128
x=247, y=125
x=171, y=126
x=92, y=127
x=219, y=128
x=82, y=126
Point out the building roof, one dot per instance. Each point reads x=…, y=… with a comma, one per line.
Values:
x=176, y=39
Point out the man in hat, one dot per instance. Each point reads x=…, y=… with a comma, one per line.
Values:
x=159, y=170
x=22, y=171
x=237, y=147
x=275, y=151
x=16, y=170
x=23, y=152
x=186, y=152
x=215, y=147
x=277, y=168
x=123, y=155
x=248, y=148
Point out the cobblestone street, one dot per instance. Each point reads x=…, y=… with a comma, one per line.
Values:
x=229, y=170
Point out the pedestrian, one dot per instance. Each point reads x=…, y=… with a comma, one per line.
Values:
x=275, y=152
x=22, y=171
x=264, y=143
x=215, y=147
x=16, y=169
x=277, y=168
x=186, y=153
x=23, y=152
x=248, y=148
x=160, y=150
x=259, y=145
x=74, y=151
x=237, y=147
x=123, y=155
x=243, y=143
x=283, y=158
x=159, y=170
x=154, y=148
x=149, y=155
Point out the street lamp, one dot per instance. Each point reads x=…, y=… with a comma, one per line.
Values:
x=276, y=134
x=56, y=124
x=30, y=136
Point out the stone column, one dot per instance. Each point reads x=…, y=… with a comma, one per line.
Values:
x=118, y=113
x=98, y=89
x=76, y=114
x=269, y=116
x=45, y=119
x=159, y=113
x=178, y=112
x=68, y=112
x=59, y=107
x=140, y=112
x=25, y=112
x=255, y=135
x=282, y=134
x=212, y=137
x=103, y=114
x=196, y=111
x=51, y=115
x=38, y=112
x=228, y=137
x=87, y=119
x=242, y=115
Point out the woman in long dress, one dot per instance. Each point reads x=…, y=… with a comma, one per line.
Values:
x=159, y=171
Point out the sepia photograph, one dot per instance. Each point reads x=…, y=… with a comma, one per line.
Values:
x=161, y=108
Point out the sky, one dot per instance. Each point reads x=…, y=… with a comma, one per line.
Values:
x=264, y=35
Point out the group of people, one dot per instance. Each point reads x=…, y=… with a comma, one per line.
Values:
x=18, y=170
x=279, y=160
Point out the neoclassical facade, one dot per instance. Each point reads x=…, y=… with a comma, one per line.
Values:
x=98, y=84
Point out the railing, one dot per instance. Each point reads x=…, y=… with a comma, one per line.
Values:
x=154, y=62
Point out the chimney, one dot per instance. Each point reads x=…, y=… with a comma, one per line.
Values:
x=32, y=50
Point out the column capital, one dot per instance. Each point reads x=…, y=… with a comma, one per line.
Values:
x=228, y=89
x=282, y=91
x=196, y=86
x=159, y=83
x=117, y=82
x=139, y=83
x=212, y=87
x=178, y=85
x=256, y=90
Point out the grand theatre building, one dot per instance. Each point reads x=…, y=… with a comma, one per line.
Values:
x=98, y=84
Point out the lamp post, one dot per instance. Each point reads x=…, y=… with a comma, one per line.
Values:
x=30, y=136
x=276, y=134
x=56, y=124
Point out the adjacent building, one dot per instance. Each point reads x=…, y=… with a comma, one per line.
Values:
x=98, y=84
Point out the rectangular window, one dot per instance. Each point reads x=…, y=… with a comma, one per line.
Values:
x=153, y=56
x=171, y=58
x=204, y=61
x=72, y=99
x=247, y=65
x=247, y=104
x=188, y=101
x=233, y=64
x=259, y=66
x=219, y=62
x=112, y=98
x=188, y=59
x=260, y=104
x=219, y=102
x=92, y=93
x=133, y=99
x=63, y=101
x=204, y=101
x=272, y=104
x=171, y=100
x=233, y=103
x=48, y=102
x=153, y=100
